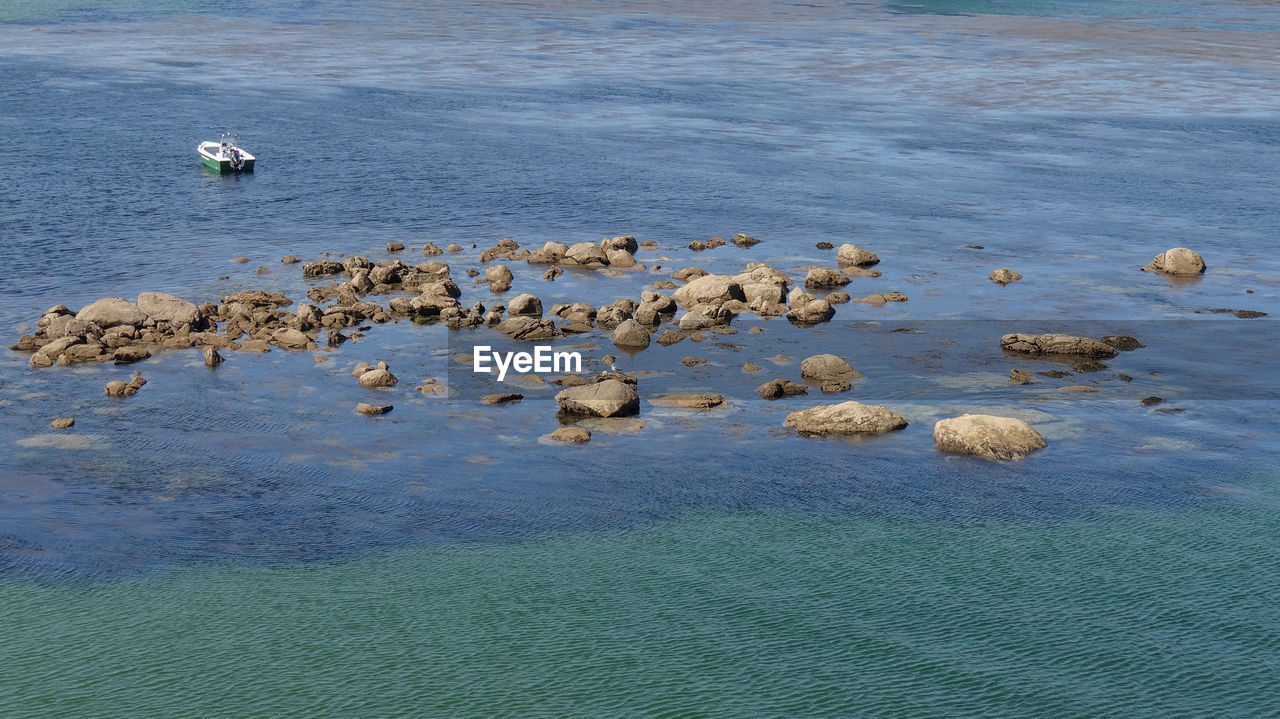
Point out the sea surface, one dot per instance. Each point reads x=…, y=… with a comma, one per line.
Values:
x=239, y=542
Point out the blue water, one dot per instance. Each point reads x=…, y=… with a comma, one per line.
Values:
x=1072, y=141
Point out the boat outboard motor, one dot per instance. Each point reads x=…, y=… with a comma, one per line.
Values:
x=237, y=159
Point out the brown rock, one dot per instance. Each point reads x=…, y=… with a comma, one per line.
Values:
x=1056, y=344
x=1177, y=261
x=777, y=388
x=62, y=422
x=827, y=366
x=856, y=256
x=573, y=435
x=1004, y=276
x=986, y=436
x=502, y=398
x=373, y=409
x=844, y=418
x=691, y=401
x=610, y=398
x=693, y=361
x=211, y=357
x=825, y=278
x=1019, y=376
x=129, y=355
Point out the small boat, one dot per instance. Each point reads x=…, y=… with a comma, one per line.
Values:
x=225, y=155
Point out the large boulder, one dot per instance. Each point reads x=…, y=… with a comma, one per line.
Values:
x=827, y=366
x=167, y=308
x=1056, y=344
x=499, y=277
x=1177, y=261
x=113, y=311
x=525, y=305
x=844, y=418
x=631, y=335
x=709, y=288
x=986, y=436
x=623, y=242
x=853, y=255
x=378, y=377
x=610, y=398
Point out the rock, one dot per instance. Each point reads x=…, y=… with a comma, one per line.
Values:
x=290, y=260
x=1123, y=342
x=774, y=389
x=844, y=418
x=291, y=339
x=502, y=398
x=838, y=298
x=1079, y=388
x=697, y=245
x=395, y=247
x=751, y=367
x=1087, y=366
x=610, y=398
x=1004, y=276
x=691, y=401
x=827, y=366
x=1177, y=261
x=453, y=248
x=572, y=380
x=116, y=388
x=620, y=258
x=986, y=436
x=378, y=377
x=664, y=285
x=211, y=357
x=1054, y=373
x=688, y=273
x=833, y=386
x=167, y=308
x=1019, y=376
x=129, y=355
x=1249, y=314
x=525, y=305
x=825, y=246
x=574, y=435
x=630, y=334
x=880, y=299
x=670, y=337
x=431, y=250
x=744, y=241
x=709, y=289
x=113, y=311
x=856, y=256
x=693, y=361
x=825, y=278
x=586, y=254
x=622, y=242
x=1151, y=401
x=324, y=268
x=552, y=273
x=1056, y=344
x=812, y=313
x=372, y=409
x=240, y=260
x=62, y=422
x=704, y=316
x=530, y=329
x=499, y=277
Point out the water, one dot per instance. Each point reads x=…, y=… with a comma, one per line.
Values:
x=239, y=542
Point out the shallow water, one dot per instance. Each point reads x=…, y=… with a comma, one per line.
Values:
x=444, y=549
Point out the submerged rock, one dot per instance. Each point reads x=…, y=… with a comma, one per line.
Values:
x=572, y=435
x=1019, y=376
x=1057, y=344
x=502, y=398
x=373, y=409
x=987, y=436
x=844, y=418
x=691, y=401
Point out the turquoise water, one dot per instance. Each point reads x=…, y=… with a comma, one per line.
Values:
x=239, y=542
x=1142, y=614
